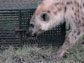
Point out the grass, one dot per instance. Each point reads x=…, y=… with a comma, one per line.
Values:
x=29, y=54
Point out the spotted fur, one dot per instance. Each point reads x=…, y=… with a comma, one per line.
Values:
x=58, y=11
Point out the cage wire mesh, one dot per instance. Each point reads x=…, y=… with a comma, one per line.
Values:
x=17, y=14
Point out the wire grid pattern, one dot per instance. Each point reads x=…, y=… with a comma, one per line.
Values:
x=8, y=22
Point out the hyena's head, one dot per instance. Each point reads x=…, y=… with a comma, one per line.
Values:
x=48, y=14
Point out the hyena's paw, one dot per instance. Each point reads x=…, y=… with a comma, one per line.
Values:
x=56, y=56
x=59, y=53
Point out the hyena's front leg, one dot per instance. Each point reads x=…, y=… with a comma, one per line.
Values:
x=69, y=42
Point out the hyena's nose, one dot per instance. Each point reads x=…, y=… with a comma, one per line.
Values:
x=29, y=31
x=29, y=34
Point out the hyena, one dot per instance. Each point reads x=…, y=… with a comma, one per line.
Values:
x=51, y=13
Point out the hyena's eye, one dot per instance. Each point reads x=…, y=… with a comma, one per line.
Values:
x=45, y=17
x=31, y=25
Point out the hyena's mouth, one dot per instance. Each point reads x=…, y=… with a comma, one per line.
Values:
x=32, y=38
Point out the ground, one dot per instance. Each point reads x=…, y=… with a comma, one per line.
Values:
x=29, y=54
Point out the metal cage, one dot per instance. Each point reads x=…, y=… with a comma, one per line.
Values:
x=15, y=21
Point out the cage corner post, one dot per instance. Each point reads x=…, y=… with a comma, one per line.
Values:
x=20, y=27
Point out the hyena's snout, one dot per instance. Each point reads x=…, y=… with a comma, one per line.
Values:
x=30, y=32
x=38, y=24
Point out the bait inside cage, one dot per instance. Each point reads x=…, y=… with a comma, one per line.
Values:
x=14, y=21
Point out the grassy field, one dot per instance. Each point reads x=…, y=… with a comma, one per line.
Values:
x=29, y=54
